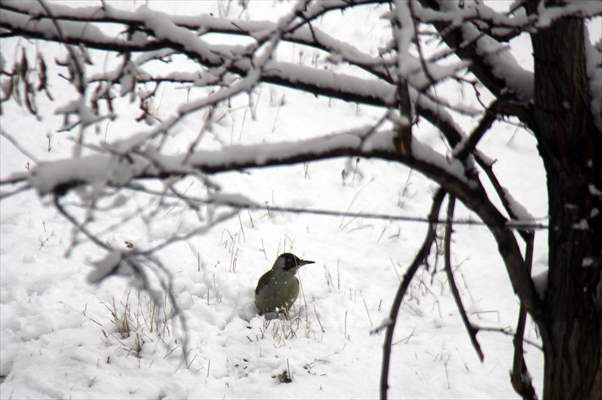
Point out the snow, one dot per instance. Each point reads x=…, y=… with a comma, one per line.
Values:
x=85, y=114
x=69, y=28
x=503, y=64
x=518, y=210
x=116, y=170
x=540, y=280
x=93, y=168
x=594, y=190
x=105, y=267
x=62, y=337
x=547, y=15
x=471, y=11
x=497, y=55
x=593, y=57
x=582, y=225
x=163, y=28
x=404, y=33
x=426, y=153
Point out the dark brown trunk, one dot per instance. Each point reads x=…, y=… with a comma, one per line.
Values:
x=571, y=147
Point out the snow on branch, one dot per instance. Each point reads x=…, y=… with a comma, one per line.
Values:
x=491, y=62
x=503, y=65
x=118, y=169
x=583, y=9
x=477, y=42
x=481, y=13
x=45, y=29
x=593, y=54
x=497, y=56
x=176, y=32
x=115, y=169
x=204, y=24
x=326, y=83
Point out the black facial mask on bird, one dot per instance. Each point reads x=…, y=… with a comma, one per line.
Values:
x=293, y=262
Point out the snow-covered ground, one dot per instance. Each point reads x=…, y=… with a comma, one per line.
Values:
x=64, y=338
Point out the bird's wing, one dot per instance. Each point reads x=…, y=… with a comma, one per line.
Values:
x=264, y=280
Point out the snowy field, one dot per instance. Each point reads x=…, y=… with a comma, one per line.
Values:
x=64, y=338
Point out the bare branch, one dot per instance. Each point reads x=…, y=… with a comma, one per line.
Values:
x=419, y=260
x=520, y=376
x=402, y=27
x=467, y=146
x=472, y=330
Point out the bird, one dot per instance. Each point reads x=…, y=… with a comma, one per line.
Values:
x=278, y=288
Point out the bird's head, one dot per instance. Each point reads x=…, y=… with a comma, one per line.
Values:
x=289, y=262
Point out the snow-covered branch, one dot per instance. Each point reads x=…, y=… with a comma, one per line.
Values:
x=205, y=24
x=515, y=20
x=491, y=63
x=115, y=169
x=162, y=32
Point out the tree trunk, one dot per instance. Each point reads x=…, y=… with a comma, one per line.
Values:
x=571, y=147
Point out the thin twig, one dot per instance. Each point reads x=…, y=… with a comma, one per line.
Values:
x=79, y=226
x=508, y=332
x=333, y=213
x=18, y=145
x=23, y=188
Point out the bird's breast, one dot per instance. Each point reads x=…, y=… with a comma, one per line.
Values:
x=279, y=292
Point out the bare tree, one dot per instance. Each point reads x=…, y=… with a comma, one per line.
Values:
x=559, y=103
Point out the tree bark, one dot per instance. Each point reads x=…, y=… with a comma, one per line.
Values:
x=571, y=148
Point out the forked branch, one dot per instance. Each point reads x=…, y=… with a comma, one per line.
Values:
x=419, y=259
x=470, y=328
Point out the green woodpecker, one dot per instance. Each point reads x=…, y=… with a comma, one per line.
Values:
x=278, y=288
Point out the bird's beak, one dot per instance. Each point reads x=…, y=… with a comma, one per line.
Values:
x=303, y=262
